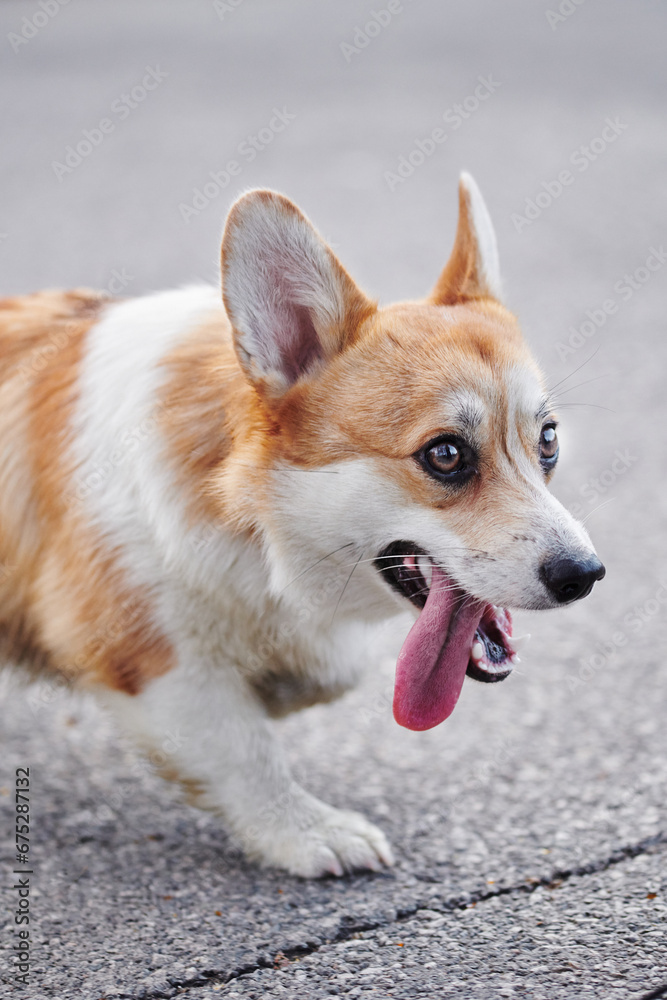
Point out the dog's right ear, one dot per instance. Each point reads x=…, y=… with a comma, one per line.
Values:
x=291, y=303
x=472, y=271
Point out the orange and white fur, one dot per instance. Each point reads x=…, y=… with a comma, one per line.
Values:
x=180, y=474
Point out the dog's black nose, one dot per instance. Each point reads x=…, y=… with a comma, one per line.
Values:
x=570, y=579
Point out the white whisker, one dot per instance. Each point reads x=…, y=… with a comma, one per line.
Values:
x=599, y=507
x=344, y=589
x=316, y=563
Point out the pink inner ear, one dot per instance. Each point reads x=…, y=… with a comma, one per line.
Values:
x=297, y=341
x=290, y=302
x=288, y=332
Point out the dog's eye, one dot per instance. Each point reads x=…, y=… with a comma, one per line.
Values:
x=444, y=457
x=448, y=459
x=548, y=446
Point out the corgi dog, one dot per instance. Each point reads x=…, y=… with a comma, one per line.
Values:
x=182, y=474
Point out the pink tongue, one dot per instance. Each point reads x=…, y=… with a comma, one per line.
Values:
x=432, y=664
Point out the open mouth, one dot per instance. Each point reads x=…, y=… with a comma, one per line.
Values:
x=454, y=635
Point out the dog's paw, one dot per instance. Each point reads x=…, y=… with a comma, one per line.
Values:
x=341, y=842
x=320, y=840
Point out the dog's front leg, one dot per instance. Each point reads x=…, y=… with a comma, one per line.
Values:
x=220, y=746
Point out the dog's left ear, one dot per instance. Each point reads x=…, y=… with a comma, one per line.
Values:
x=472, y=271
x=291, y=303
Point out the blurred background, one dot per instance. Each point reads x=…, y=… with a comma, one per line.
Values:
x=127, y=131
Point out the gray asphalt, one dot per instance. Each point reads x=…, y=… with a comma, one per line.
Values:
x=530, y=829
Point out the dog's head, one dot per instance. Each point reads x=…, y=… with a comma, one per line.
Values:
x=429, y=436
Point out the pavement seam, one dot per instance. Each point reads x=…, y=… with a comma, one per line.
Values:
x=349, y=926
x=660, y=991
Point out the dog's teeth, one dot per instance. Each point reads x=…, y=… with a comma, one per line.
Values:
x=514, y=658
x=477, y=651
x=426, y=569
x=519, y=641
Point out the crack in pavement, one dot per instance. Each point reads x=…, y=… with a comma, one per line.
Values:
x=661, y=991
x=349, y=926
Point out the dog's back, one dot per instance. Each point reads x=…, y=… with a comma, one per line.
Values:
x=41, y=343
x=85, y=387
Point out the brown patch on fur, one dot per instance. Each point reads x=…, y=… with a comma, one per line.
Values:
x=64, y=603
x=98, y=629
x=282, y=692
x=207, y=408
x=193, y=790
x=34, y=330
